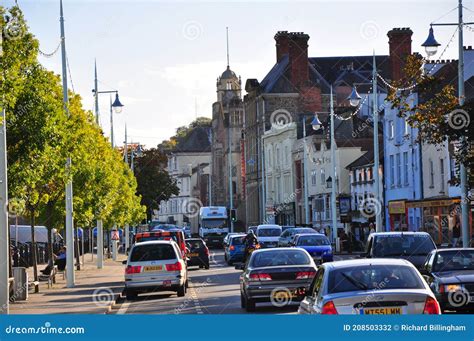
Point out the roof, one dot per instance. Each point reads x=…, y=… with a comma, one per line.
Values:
x=411, y=233
x=366, y=160
x=367, y=261
x=228, y=74
x=455, y=249
x=167, y=242
x=197, y=140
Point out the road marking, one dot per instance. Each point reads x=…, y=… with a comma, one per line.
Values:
x=195, y=298
x=123, y=309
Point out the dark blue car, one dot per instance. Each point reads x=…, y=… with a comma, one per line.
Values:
x=317, y=245
x=234, y=249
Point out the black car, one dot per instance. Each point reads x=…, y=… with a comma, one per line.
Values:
x=280, y=276
x=450, y=274
x=412, y=246
x=197, y=253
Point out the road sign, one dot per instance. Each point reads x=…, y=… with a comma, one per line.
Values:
x=115, y=235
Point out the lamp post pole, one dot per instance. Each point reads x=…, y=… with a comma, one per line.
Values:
x=333, y=172
x=378, y=196
x=305, y=174
x=4, y=240
x=69, y=193
x=229, y=158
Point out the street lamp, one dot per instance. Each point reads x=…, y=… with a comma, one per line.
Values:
x=431, y=47
x=316, y=123
x=354, y=98
x=430, y=44
x=117, y=106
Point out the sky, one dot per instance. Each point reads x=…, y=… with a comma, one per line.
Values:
x=164, y=56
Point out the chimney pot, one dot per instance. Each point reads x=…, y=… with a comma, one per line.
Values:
x=400, y=47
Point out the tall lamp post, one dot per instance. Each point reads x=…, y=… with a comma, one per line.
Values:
x=431, y=47
x=117, y=107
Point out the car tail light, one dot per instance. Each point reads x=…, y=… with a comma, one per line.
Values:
x=133, y=269
x=329, y=309
x=174, y=267
x=207, y=251
x=232, y=248
x=431, y=306
x=305, y=274
x=260, y=277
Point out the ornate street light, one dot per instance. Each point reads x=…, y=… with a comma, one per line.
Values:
x=354, y=98
x=316, y=123
x=430, y=44
x=117, y=106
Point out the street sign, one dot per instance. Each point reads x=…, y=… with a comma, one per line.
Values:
x=115, y=235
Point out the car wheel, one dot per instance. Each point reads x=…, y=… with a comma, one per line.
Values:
x=229, y=263
x=182, y=291
x=207, y=266
x=186, y=284
x=130, y=295
x=242, y=301
x=249, y=305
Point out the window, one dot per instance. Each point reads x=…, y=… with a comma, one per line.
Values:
x=431, y=174
x=286, y=156
x=323, y=177
x=399, y=170
x=441, y=167
x=391, y=129
x=313, y=177
x=392, y=171
x=369, y=173
x=406, y=127
x=405, y=166
x=277, y=157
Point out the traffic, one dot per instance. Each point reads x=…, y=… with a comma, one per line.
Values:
x=297, y=268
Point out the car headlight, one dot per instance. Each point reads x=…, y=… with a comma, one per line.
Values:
x=452, y=287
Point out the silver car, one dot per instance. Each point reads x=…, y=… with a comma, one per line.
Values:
x=369, y=287
x=155, y=266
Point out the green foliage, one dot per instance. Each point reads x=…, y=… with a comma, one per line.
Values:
x=182, y=132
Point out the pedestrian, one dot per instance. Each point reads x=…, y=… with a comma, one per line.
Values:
x=456, y=233
x=61, y=259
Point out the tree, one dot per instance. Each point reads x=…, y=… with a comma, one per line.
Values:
x=154, y=182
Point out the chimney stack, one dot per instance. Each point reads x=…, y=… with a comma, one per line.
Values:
x=399, y=40
x=282, y=44
x=298, y=58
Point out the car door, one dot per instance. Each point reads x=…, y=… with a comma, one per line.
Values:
x=308, y=305
x=428, y=268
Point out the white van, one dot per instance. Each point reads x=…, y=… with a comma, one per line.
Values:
x=268, y=235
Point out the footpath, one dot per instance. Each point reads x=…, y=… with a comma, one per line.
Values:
x=95, y=290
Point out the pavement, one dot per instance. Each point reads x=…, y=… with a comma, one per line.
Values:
x=94, y=292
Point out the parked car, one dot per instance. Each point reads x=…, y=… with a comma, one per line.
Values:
x=198, y=253
x=268, y=235
x=317, y=245
x=235, y=249
x=172, y=234
x=369, y=287
x=412, y=246
x=287, y=235
x=450, y=275
x=155, y=266
x=281, y=275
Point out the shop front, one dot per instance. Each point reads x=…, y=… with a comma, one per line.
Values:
x=398, y=212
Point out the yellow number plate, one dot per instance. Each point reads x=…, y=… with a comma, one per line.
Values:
x=153, y=268
x=383, y=311
x=282, y=295
x=193, y=254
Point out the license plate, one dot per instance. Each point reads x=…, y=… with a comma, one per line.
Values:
x=153, y=268
x=382, y=311
x=282, y=296
x=167, y=283
x=193, y=254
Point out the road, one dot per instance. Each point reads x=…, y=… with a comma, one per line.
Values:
x=213, y=291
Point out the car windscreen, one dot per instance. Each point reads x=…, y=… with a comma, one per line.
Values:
x=152, y=252
x=373, y=277
x=279, y=258
x=455, y=260
x=237, y=240
x=214, y=223
x=402, y=245
x=158, y=237
x=268, y=232
x=313, y=240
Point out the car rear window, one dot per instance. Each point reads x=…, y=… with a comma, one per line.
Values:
x=237, y=240
x=402, y=245
x=269, y=232
x=158, y=237
x=373, y=277
x=279, y=258
x=151, y=252
x=195, y=244
x=313, y=240
x=455, y=260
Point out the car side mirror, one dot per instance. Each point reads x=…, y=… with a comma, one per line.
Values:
x=124, y=262
x=239, y=266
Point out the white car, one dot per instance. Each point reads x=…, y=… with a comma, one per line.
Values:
x=268, y=235
x=155, y=266
x=369, y=287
